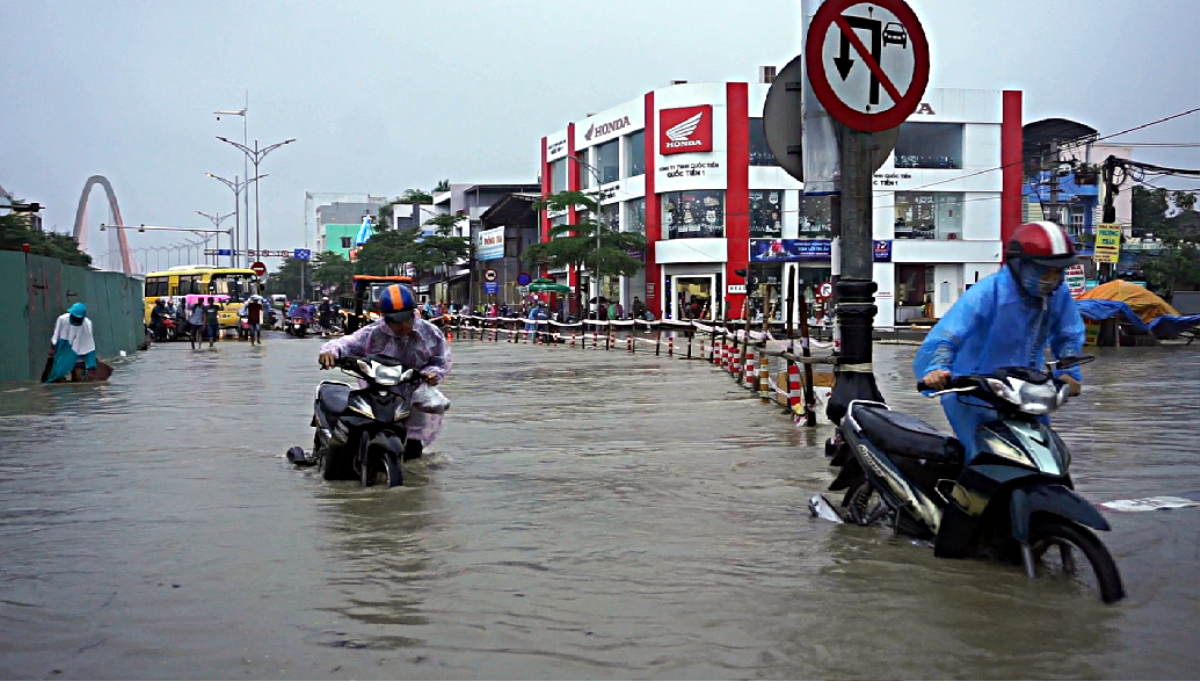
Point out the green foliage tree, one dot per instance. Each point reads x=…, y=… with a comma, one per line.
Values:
x=386, y=251
x=442, y=249
x=591, y=243
x=16, y=230
x=442, y=185
x=331, y=270
x=1177, y=266
x=416, y=196
x=287, y=279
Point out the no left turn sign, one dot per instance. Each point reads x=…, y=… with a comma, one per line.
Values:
x=868, y=62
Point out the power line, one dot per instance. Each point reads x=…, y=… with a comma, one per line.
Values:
x=1139, y=127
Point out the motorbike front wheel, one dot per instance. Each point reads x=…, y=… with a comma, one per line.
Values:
x=1055, y=545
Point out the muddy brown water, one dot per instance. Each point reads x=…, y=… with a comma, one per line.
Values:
x=585, y=515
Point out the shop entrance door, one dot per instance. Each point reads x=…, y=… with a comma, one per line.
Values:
x=692, y=296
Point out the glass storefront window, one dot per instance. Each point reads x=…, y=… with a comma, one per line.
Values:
x=760, y=153
x=816, y=217
x=929, y=215
x=635, y=216
x=696, y=214
x=558, y=176
x=635, y=152
x=610, y=216
x=607, y=160
x=585, y=173
x=766, y=213
x=930, y=145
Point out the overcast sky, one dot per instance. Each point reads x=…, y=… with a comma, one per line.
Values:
x=383, y=96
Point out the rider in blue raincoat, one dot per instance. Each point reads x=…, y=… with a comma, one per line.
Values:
x=1006, y=320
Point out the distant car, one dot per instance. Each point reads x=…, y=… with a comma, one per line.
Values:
x=894, y=34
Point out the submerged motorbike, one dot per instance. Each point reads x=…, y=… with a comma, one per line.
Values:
x=1015, y=500
x=361, y=434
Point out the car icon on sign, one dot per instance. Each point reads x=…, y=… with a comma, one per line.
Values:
x=894, y=34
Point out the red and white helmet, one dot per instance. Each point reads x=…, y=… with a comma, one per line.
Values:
x=1042, y=242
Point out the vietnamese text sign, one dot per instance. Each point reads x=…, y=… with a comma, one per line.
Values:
x=491, y=244
x=1108, y=243
x=1076, y=280
x=789, y=250
x=491, y=288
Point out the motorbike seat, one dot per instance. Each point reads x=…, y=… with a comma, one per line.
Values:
x=334, y=397
x=903, y=435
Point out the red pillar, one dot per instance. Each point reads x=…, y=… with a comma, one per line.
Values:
x=572, y=185
x=737, y=195
x=654, y=297
x=545, y=218
x=1011, y=140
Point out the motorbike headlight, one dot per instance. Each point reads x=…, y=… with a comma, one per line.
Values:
x=1038, y=399
x=1003, y=389
x=389, y=375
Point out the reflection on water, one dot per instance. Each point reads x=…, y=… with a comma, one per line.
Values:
x=586, y=514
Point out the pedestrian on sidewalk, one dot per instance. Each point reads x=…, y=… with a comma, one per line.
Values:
x=212, y=321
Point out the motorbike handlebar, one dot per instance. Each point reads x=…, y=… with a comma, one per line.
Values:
x=958, y=383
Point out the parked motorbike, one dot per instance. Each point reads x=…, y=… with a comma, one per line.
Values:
x=362, y=433
x=1015, y=501
x=243, y=327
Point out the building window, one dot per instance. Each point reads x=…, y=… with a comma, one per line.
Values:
x=607, y=159
x=585, y=173
x=610, y=216
x=696, y=214
x=635, y=152
x=558, y=176
x=1077, y=222
x=346, y=242
x=929, y=215
x=766, y=213
x=635, y=216
x=930, y=145
x=760, y=153
x=816, y=217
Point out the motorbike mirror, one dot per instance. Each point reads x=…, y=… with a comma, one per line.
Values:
x=1073, y=361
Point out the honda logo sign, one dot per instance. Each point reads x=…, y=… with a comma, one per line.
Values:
x=685, y=129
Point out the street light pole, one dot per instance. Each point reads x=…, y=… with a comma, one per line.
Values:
x=216, y=220
x=256, y=157
x=599, y=221
x=237, y=188
x=245, y=161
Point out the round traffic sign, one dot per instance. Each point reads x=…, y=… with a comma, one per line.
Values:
x=259, y=268
x=523, y=279
x=825, y=292
x=868, y=86
x=489, y=275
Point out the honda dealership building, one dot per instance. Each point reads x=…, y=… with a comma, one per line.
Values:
x=688, y=166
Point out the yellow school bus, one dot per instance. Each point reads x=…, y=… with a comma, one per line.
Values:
x=184, y=280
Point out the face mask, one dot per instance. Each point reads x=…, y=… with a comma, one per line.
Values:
x=76, y=321
x=1040, y=281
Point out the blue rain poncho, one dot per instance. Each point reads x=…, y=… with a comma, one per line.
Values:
x=996, y=324
x=72, y=342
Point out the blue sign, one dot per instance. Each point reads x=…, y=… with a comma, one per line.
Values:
x=790, y=250
x=883, y=251
x=491, y=288
x=523, y=279
x=301, y=254
x=224, y=251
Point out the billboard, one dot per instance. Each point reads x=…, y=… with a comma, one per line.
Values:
x=491, y=244
x=789, y=250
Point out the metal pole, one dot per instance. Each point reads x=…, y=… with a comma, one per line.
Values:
x=257, y=206
x=237, y=223
x=246, y=164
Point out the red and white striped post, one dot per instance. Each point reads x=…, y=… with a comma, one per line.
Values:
x=671, y=344
x=794, y=387
x=750, y=369
x=764, y=379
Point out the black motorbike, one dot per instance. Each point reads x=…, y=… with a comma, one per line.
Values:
x=361, y=434
x=1015, y=501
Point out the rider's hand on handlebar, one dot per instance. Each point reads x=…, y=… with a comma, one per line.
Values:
x=430, y=377
x=327, y=360
x=937, y=379
x=1075, y=387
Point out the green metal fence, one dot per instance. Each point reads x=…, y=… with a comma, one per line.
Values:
x=35, y=290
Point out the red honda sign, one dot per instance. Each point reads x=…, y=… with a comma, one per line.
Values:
x=686, y=129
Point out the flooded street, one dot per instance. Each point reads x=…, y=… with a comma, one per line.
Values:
x=586, y=514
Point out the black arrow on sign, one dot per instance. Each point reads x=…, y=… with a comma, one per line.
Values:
x=843, y=61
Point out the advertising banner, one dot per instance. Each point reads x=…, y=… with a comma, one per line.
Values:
x=789, y=250
x=883, y=251
x=1108, y=243
x=491, y=244
x=1076, y=280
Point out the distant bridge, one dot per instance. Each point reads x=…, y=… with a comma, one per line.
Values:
x=81, y=220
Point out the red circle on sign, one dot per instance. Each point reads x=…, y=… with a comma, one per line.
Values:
x=818, y=76
x=259, y=268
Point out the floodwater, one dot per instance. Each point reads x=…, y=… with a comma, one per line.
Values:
x=587, y=514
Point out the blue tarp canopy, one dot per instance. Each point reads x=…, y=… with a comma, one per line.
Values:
x=1166, y=326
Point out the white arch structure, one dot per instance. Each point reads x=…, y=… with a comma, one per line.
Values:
x=81, y=220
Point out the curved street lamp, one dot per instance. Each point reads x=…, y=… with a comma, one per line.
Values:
x=256, y=157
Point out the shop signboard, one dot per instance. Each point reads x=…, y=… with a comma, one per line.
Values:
x=1108, y=243
x=790, y=250
x=686, y=129
x=1076, y=280
x=883, y=250
x=491, y=244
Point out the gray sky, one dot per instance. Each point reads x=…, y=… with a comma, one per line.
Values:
x=388, y=95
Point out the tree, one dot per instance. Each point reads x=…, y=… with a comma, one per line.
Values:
x=442, y=249
x=287, y=279
x=576, y=245
x=416, y=196
x=442, y=186
x=1177, y=266
x=385, y=251
x=16, y=230
x=333, y=271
